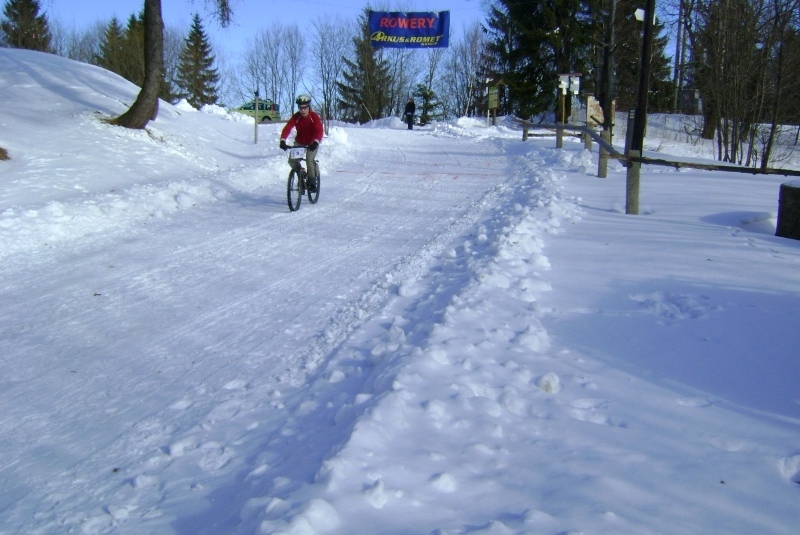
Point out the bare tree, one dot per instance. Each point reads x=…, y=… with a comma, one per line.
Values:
x=78, y=45
x=405, y=68
x=264, y=66
x=461, y=83
x=425, y=91
x=173, y=45
x=294, y=60
x=330, y=45
x=782, y=78
x=743, y=72
x=228, y=95
x=433, y=60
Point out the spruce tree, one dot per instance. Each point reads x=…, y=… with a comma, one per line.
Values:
x=112, y=47
x=532, y=42
x=122, y=52
x=132, y=66
x=145, y=107
x=365, y=90
x=122, y=49
x=197, y=78
x=629, y=58
x=24, y=27
x=430, y=104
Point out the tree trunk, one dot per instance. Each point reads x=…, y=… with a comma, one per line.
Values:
x=145, y=107
x=710, y=118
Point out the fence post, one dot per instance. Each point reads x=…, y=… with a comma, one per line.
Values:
x=629, y=131
x=602, y=164
x=632, y=185
x=789, y=210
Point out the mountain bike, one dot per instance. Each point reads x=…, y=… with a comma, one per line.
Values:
x=299, y=182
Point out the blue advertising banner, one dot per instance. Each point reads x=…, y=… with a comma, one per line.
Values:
x=401, y=29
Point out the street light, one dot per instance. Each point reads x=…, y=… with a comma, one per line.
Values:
x=640, y=117
x=255, y=103
x=566, y=82
x=563, y=84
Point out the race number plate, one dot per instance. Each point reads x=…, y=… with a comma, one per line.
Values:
x=297, y=153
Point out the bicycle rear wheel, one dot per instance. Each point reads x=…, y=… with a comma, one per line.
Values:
x=294, y=190
x=313, y=191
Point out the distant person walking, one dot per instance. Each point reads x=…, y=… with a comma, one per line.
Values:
x=409, y=113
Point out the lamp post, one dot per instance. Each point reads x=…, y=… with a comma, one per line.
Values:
x=255, y=94
x=640, y=117
x=488, y=104
x=563, y=84
x=566, y=82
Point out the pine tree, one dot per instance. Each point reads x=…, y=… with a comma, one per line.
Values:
x=629, y=58
x=365, y=90
x=112, y=47
x=430, y=104
x=532, y=42
x=197, y=79
x=145, y=107
x=122, y=49
x=24, y=27
x=132, y=66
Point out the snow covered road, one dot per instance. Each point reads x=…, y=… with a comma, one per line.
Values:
x=464, y=336
x=142, y=344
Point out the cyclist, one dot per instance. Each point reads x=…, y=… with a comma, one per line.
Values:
x=308, y=131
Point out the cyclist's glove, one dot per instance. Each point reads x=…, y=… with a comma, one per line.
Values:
x=284, y=146
x=314, y=145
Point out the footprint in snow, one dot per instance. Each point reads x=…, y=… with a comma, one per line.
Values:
x=376, y=494
x=673, y=306
x=790, y=468
x=444, y=482
x=181, y=405
x=224, y=411
x=214, y=456
x=588, y=410
x=694, y=401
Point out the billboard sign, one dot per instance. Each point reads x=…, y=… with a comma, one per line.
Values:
x=404, y=29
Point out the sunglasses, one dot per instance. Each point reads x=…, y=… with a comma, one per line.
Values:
x=303, y=107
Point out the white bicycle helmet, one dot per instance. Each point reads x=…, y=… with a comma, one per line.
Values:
x=303, y=100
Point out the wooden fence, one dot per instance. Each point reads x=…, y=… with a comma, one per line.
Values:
x=589, y=135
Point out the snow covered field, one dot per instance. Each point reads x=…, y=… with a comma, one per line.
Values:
x=465, y=335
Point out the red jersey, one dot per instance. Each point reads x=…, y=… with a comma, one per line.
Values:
x=309, y=128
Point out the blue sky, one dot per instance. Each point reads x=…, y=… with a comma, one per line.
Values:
x=250, y=16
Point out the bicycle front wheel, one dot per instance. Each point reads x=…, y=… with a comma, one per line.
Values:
x=313, y=190
x=294, y=190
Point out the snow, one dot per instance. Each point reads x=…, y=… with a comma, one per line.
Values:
x=466, y=334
